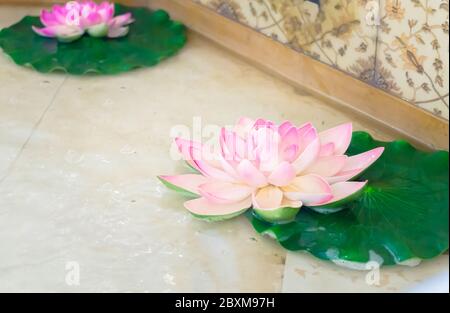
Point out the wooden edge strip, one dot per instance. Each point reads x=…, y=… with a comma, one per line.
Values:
x=408, y=121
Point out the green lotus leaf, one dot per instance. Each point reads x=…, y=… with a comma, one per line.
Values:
x=151, y=38
x=401, y=215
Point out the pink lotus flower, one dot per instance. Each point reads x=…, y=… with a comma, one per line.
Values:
x=273, y=169
x=69, y=22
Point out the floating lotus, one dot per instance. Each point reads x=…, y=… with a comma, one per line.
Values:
x=273, y=169
x=69, y=22
x=152, y=38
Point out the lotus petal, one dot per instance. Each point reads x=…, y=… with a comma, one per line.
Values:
x=184, y=146
x=223, y=192
x=92, y=19
x=342, y=191
x=268, y=198
x=363, y=160
x=263, y=123
x=340, y=136
x=106, y=11
x=64, y=33
x=290, y=139
x=233, y=146
x=282, y=175
x=48, y=19
x=60, y=14
x=327, y=166
x=342, y=176
x=189, y=182
x=45, y=31
x=309, y=189
x=250, y=174
x=327, y=149
x=284, y=128
x=118, y=32
x=307, y=157
x=121, y=20
x=307, y=134
x=210, y=171
x=228, y=167
x=204, y=207
x=243, y=126
x=355, y=165
x=267, y=148
x=290, y=153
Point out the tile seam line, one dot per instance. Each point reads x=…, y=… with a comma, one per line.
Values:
x=33, y=130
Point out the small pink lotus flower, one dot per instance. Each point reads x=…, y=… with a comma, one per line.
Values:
x=273, y=169
x=69, y=22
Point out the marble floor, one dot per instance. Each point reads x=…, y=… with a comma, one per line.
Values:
x=78, y=190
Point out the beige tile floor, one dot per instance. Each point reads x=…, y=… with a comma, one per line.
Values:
x=78, y=160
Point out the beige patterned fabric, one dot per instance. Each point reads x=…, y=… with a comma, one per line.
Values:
x=405, y=53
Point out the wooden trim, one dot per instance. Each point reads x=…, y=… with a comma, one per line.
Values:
x=409, y=121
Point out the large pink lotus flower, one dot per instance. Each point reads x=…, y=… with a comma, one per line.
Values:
x=273, y=169
x=69, y=22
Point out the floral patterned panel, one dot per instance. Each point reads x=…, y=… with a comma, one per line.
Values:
x=400, y=46
x=413, y=45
